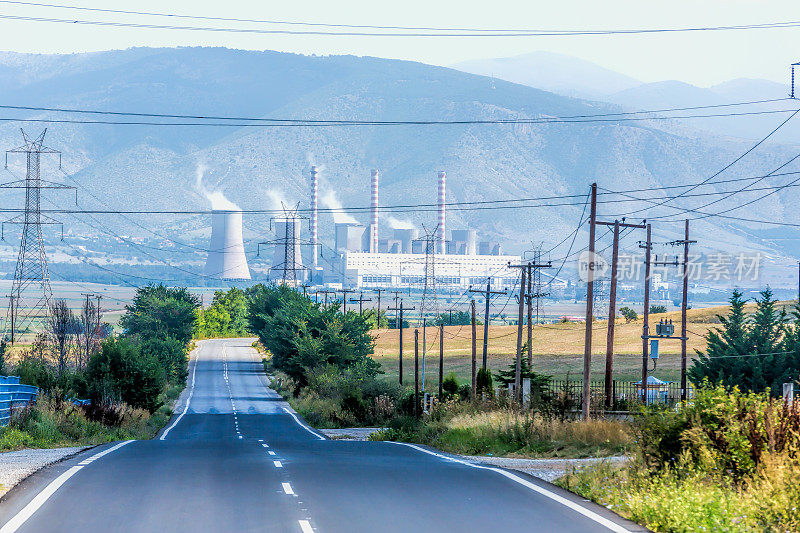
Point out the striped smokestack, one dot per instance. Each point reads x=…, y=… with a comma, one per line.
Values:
x=441, y=236
x=373, y=228
x=314, y=186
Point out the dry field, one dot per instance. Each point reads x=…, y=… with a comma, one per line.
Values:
x=557, y=348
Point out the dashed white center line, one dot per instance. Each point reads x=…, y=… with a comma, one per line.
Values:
x=305, y=526
x=271, y=452
x=264, y=444
x=277, y=464
x=287, y=488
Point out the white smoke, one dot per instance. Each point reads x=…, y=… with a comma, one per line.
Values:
x=396, y=223
x=277, y=200
x=339, y=215
x=216, y=198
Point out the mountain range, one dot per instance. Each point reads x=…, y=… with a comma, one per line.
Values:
x=256, y=165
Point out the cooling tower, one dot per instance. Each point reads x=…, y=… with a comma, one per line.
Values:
x=465, y=241
x=349, y=237
x=406, y=236
x=226, y=259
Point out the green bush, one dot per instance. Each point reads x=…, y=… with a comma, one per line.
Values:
x=628, y=314
x=450, y=384
x=483, y=382
x=121, y=372
x=171, y=355
x=658, y=309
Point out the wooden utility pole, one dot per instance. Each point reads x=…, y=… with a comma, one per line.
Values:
x=612, y=315
x=399, y=323
x=520, y=315
x=648, y=246
x=378, y=320
x=684, y=300
x=416, y=373
x=587, y=343
x=344, y=298
x=488, y=295
x=87, y=326
x=360, y=301
x=525, y=271
x=608, y=389
x=441, y=358
x=474, y=348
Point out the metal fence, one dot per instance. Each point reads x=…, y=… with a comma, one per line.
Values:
x=625, y=394
x=14, y=396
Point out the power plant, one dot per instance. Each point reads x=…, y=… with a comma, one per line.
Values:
x=361, y=257
x=226, y=258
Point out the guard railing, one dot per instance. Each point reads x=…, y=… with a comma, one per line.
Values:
x=13, y=395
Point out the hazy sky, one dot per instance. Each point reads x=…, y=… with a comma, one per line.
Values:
x=702, y=58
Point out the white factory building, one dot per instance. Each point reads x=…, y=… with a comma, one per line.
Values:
x=407, y=270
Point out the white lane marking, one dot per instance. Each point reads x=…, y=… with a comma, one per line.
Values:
x=185, y=407
x=320, y=437
x=305, y=526
x=536, y=488
x=287, y=488
x=277, y=464
x=264, y=444
x=271, y=452
x=21, y=517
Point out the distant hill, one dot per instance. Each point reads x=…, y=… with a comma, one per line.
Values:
x=141, y=167
x=553, y=72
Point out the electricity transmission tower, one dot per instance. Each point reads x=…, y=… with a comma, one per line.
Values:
x=287, y=261
x=429, y=300
x=31, y=296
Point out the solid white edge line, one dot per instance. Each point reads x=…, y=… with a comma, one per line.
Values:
x=188, y=400
x=305, y=526
x=287, y=488
x=26, y=512
x=320, y=437
x=536, y=488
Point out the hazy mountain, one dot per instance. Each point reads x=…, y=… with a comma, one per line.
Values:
x=138, y=167
x=557, y=73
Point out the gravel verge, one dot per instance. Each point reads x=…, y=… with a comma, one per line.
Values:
x=16, y=466
x=546, y=469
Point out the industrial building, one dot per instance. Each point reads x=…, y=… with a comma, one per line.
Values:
x=364, y=259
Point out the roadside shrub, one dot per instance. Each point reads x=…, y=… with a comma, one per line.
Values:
x=171, y=355
x=35, y=371
x=628, y=314
x=450, y=384
x=121, y=372
x=483, y=382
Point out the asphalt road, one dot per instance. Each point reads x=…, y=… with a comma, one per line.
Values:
x=236, y=458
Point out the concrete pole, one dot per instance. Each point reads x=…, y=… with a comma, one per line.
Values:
x=646, y=325
x=474, y=349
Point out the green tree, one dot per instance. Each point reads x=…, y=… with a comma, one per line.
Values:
x=628, y=314
x=121, y=372
x=159, y=311
x=753, y=353
x=302, y=335
x=657, y=309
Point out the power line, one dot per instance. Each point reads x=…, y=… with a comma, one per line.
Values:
x=382, y=31
x=332, y=121
x=310, y=123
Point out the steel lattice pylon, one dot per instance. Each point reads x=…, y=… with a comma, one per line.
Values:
x=429, y=302
x=31, y=297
